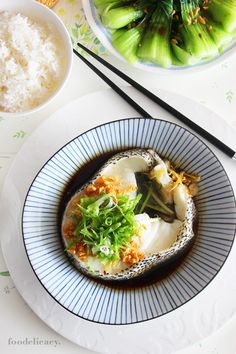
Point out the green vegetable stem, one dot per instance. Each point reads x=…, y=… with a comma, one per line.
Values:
x=169, y=32
x=118, y=17
x=155, y=44
x=151, y=200
x=224, y=12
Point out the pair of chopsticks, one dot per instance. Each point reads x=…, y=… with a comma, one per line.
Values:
x=181, y=117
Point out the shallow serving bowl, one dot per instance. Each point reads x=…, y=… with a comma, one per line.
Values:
x=103, y=35
x=42, y=14
x=95, y=301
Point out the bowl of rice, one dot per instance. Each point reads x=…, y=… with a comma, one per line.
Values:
x=35, y=56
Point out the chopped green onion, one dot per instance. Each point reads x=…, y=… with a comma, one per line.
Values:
x=107, y=226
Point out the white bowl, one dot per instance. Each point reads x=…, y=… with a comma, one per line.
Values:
x=104, y=36
x=91, y=300
x=41, y=13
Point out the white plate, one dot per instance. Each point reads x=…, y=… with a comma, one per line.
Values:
x=105, y=38
x=178, y=329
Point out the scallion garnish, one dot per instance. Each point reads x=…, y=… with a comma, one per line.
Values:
x=107, y=225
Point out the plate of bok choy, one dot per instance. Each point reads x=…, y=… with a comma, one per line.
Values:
x=157, y=34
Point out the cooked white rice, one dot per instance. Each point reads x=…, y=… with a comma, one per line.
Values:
x=31, y=63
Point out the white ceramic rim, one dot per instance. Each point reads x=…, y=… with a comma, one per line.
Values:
x=66, y=39
x=90, y=14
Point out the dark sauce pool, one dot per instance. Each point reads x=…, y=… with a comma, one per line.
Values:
x=84, y=174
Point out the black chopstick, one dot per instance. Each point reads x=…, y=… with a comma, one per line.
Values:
x=181, y=117
x=128, y=99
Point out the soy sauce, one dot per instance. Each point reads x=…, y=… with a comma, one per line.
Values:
x=82, y=176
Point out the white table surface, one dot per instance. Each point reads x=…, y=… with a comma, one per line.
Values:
x=21, y=330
